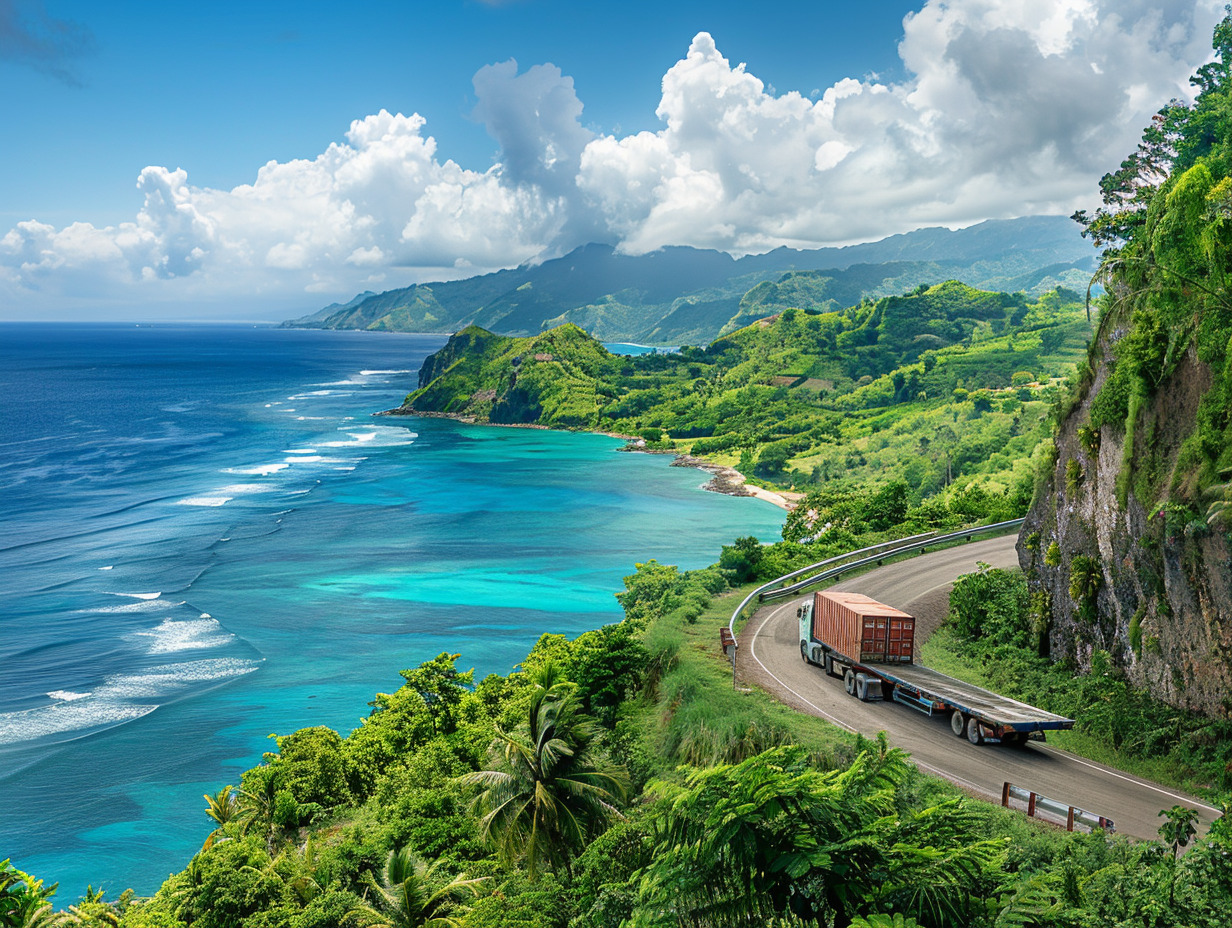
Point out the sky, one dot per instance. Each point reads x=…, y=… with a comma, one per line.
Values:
x=258, y=160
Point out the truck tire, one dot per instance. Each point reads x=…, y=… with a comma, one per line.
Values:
x=861, y=687
x=958, y=723
x=804, y=651
x=974, y=735
x=849, y=682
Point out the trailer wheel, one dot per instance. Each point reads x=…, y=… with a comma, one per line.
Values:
x=804, y=651
x=849, y=682
x=974, y=735
x=861, y=687
x=958, y=723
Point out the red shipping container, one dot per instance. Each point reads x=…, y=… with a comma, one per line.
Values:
x=862, y=629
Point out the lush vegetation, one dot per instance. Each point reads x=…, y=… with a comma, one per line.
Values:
x=942, y=385
x=618, y=779
x=1167, y=225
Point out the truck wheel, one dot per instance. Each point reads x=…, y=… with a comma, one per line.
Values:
x=974, y=735
x=849, y=682
x=958, y=723
x=804, y=651
x=861, y=687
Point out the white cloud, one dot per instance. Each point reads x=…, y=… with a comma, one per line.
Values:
x=1007, y=109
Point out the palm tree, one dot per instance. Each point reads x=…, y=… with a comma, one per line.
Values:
x=407, y=898
x=24, y=901
x=553, y=790
x=95, y=911
x=255, y=806
x=222, y=807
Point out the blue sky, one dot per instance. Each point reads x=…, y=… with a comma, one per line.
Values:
x=629, y=123
x=221, y=88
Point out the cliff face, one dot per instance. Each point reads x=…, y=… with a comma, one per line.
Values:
x=1118, y=559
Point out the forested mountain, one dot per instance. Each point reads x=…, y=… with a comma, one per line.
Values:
x=940, y=383
x=689, y=296
x=1129, y=542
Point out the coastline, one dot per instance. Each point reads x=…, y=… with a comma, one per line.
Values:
x=723, y=479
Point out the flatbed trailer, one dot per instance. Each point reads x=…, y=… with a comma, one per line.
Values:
x=978, y=714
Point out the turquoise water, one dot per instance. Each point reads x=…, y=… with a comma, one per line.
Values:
x=208, y=539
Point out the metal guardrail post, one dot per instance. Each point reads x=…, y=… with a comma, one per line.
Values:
x=1038, y=804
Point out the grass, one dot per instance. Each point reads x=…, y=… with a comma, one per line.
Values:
x=700, y=718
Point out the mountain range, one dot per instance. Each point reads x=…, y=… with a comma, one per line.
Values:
x=683, y=295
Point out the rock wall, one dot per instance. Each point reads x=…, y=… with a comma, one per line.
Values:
x=1144, y=579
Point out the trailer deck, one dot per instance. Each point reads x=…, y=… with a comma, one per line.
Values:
x=947, y=693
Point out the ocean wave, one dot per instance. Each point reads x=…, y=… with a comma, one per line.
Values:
x=121, y=698
x=317, y=459
x=174, y=635
x=371, y=373
x=148, y=605
x=241, y=488
x=311, y=393
x=77, y=718
x=257, y=470
x=210, y=501
x=388, y=437
x=166, y=679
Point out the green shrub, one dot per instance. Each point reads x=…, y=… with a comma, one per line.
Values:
x=991, y=605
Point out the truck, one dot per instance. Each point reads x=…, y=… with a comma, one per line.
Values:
x=871, y=647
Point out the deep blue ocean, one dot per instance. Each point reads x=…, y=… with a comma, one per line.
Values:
x=206, y=538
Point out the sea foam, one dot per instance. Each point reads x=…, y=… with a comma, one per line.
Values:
x=186, y=635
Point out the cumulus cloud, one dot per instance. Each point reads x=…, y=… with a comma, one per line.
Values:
x=1009, y=109
x=1006, y=109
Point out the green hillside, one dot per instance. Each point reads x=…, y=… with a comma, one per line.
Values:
x=943, y=384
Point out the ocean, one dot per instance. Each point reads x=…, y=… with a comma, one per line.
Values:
x=206, y=539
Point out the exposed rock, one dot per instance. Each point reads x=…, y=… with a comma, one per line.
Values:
x=1163, y=605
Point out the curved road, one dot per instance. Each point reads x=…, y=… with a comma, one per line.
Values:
x=769, y=656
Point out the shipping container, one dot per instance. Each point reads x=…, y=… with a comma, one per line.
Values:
x=863, y=629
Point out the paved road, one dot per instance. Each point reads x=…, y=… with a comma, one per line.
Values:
x=769, y=655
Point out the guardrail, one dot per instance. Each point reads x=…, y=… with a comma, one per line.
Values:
x=864, y=556
x=1038, y=805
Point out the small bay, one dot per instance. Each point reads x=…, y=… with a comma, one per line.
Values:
x=206, y=538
